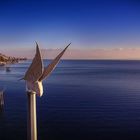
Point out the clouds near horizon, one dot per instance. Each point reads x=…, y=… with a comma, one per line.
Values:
x=102, y=53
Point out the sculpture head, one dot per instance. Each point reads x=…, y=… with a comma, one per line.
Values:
x=36, y=87
x=36, y=73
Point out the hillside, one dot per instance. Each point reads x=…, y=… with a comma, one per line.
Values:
x=8, y=60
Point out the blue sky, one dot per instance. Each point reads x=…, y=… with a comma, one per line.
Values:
x=55, y=23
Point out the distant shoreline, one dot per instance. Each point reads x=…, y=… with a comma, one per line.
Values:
x=4, y=60
x=93, y=59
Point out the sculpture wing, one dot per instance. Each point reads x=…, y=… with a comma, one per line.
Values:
x=52, y=65
x=35, y=70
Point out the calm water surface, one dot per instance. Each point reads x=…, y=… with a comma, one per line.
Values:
x=83, y=100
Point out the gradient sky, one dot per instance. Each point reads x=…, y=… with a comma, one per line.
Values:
x=88, y=24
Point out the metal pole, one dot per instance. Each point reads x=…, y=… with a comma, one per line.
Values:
x=32, y=119
x=1, y=99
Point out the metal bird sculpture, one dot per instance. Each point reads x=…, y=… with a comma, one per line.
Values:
x=36, y=73
x=34, y=76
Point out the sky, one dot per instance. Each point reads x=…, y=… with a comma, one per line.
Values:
x=90, y=25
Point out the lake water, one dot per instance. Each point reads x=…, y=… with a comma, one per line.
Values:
x=83, y=100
